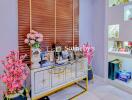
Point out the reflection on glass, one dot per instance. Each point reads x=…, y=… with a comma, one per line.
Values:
x=128, y=12
x=113, y=31
x=117, y=2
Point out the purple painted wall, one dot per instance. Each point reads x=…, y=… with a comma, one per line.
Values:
x=86, y=22
x=92, y=26
x=98, y=36
x=8, y=28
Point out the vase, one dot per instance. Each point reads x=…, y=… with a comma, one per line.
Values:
x=35, y=57
x=18, y=96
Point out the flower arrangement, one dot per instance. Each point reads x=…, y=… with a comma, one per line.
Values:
x=34, y=39
x=88, y=51
x=15, y=72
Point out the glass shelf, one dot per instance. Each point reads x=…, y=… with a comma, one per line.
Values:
x=113, y=39
x=125, y=54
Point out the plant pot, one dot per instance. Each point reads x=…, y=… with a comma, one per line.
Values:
x=18, y=96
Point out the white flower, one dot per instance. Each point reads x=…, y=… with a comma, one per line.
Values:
x=40, y=39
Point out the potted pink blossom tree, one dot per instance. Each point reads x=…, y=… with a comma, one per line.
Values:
x=14, y=76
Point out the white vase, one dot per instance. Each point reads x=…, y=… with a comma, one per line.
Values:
x=35, y=57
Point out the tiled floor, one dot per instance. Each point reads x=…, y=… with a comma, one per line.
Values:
x=97, y=91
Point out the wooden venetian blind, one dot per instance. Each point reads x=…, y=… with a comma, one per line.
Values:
x=64, y=22
x=57, y=20
x=43, y=19
x=76, y=22
x=24, y=26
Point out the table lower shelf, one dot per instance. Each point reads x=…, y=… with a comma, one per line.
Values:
x=63, y=86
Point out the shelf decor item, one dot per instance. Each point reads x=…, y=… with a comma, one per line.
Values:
x=14, y=76
x=113, y=68
x=34, y=39
x=113, y=31
x=124, y=75
x=117, y=2
x=128, y=12
x=88, y=52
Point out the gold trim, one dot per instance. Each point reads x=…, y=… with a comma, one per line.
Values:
x=63, y=87
x=55, y=23
x=87, y=83
x=82, y=93
x=86, y=90
x=76, y=96
x=73, y=23
x=30, y=12
x=30, y=2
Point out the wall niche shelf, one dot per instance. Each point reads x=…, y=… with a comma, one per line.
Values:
x=113, y=3
x=120, y=54
x=119, y=48
x=113, y=39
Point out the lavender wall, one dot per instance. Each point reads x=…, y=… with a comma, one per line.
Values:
x=8, y=28
x=92, y=26
x=86, y=22
x=98, y=36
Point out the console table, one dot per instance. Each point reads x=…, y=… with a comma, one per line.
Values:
x=48, y=80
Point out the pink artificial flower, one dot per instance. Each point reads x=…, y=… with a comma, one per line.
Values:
x=11, y=70
x=32, y=36
x=24, y=77
x=37, y=35
x=39, y=39
x=26, y=41
x=32, y=42
x=4, y=78
x=88, y=52
x=19, y=71
x=41, y=36
x=28, y=35
x=11, y=88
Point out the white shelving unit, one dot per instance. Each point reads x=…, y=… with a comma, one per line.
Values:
x=115, y=16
